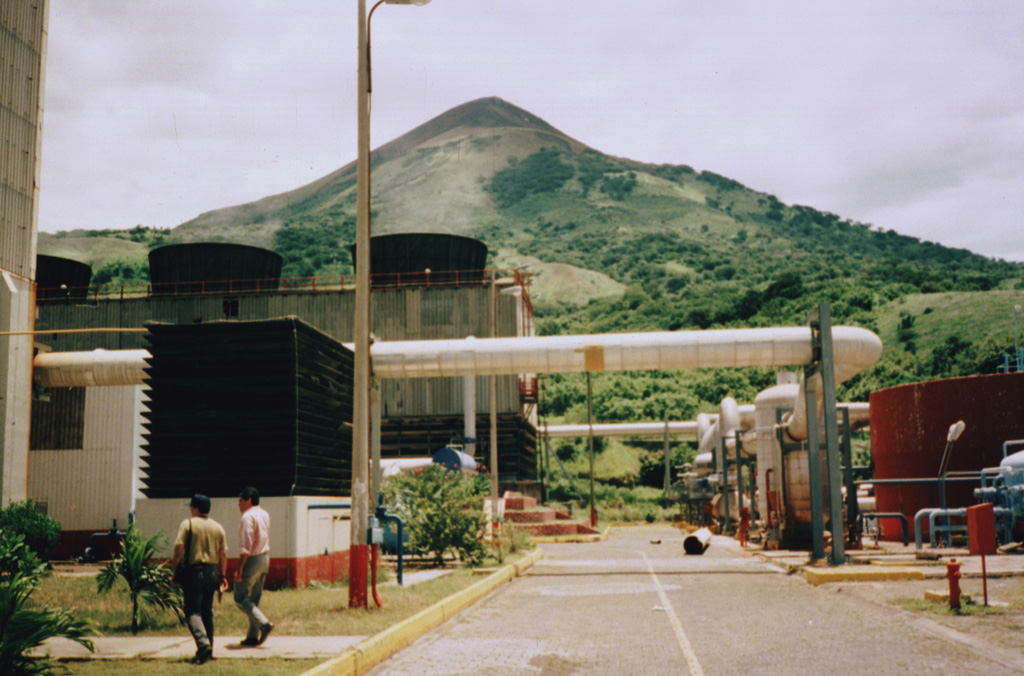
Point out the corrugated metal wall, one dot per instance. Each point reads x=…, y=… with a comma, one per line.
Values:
x=22, y=59
x=22, y=53
x=87, y=488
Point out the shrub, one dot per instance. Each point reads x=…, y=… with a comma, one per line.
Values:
x=509, y=541
x=149, y=582
x=40, y=531
x=24, y=626
x=441, y=511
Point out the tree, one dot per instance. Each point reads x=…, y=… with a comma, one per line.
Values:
x=150, y=584
x=24, y=626
x=441, y=511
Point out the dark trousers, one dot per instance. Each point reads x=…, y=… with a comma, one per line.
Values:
x=198, y=591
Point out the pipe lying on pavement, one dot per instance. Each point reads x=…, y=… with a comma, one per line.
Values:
x=697, y=541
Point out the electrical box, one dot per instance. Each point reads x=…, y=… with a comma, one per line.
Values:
x=375, y=534
x=981, y=529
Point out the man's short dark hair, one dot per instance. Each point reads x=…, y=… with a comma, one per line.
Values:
x=250, y=493
x=200, y=502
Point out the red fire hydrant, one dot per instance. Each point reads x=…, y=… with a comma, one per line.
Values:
x=953, y=575
x=744, y=526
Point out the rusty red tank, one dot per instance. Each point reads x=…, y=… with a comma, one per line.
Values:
x=909, y=424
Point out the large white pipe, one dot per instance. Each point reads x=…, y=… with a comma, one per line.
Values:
x=642, y=429
x=855, y=349
x=88, y=369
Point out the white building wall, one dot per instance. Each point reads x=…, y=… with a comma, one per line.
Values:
x=90, y=487
x=299, y=526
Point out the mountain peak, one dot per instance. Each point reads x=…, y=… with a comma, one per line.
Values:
x=489, y=112
x=486, y=113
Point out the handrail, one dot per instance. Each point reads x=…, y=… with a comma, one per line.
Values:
x=284, y=285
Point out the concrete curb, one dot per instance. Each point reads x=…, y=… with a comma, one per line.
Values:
x=371, y=651
x=820, y=576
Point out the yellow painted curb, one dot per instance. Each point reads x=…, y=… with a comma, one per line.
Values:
x=819, y=576
x=371, y=651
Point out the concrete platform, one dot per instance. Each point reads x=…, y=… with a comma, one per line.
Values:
x=172, y=647
x=892, y=561
x=351, y=648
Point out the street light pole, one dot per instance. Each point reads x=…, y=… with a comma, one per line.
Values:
x=359, y=550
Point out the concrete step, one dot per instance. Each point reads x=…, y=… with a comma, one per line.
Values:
x=519, y=502
x=557, y=528
x=531, y=516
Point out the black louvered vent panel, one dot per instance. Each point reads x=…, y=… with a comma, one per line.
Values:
x=261, y=403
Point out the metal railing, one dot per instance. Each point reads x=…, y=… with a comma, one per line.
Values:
x=283, y=285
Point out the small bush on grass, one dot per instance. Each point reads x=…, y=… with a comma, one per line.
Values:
x=24, y=626
x=510, y=540
x=441, y=511
x=150, y=584
x=40, y=531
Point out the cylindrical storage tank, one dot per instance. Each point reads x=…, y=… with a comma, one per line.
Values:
x=454, y=461
x=909, y=424
x=61, y=278
x=425, y=259
x=769, y=453
x=213, y=267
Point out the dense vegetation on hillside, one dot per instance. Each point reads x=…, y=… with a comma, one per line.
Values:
x=739, y=259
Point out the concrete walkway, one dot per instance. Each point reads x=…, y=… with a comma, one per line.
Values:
x=225, y=647
x=175, y=647
x=636, y=604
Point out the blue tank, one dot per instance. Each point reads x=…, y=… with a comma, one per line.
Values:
x=454, y=460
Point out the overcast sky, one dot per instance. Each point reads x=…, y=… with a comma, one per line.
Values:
x=907, y=115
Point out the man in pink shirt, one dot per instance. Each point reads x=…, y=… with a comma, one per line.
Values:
x=253, y=563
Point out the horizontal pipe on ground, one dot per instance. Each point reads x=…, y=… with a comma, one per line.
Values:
x=697, y=541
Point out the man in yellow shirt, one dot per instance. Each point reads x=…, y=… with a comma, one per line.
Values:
x=206, y=560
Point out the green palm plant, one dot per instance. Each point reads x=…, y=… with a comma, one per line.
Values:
x=150, y=584
x=22, y=627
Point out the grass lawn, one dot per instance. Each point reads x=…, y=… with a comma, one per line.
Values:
x=314, y=611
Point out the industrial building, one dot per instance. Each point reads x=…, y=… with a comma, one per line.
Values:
x=98, y=449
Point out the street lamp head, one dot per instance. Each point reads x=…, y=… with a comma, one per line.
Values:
x=1016, y=310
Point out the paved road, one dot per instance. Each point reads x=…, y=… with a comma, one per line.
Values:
x=630, y=606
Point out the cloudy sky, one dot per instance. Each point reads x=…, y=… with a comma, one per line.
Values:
x=907, y=115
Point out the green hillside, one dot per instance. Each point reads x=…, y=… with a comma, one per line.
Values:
x=616, y=245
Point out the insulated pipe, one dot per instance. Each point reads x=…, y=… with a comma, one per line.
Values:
x=855, y=349
x=87, y=369
x=643, y=429
x=469, y=415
